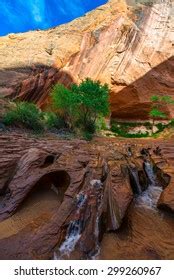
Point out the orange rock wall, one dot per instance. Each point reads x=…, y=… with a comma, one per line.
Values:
x=135, y=57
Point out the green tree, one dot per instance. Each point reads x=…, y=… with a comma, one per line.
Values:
x=93, y=101
x=82, y=104
x=157, y=109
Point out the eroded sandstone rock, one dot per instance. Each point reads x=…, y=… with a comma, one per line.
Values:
x=119, y=194
x=166, y=200
x=90, y=181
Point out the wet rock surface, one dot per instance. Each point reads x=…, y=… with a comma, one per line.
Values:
x=77, y=200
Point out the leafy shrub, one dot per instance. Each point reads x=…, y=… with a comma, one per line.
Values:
x=101, y=123
x=156, y=113
x=51, y=120
x=87, y=136
x=161, y=126
x=172, y=123
x=89, y=126
x=25, y=114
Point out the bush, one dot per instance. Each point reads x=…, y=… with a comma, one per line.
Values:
x=101, y=124
x=172, y=123
x=87, y=136
x=89, y=126
x=51, y=120
x=25, y=114
x=161, y=126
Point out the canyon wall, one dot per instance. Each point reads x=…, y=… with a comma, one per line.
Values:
x=131, y=51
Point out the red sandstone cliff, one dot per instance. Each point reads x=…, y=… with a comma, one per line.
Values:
x=134, y=58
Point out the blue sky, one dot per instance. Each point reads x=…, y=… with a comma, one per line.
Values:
x=24, y=15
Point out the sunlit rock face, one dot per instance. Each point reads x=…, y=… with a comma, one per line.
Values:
x=20, y=16
x=133, y=52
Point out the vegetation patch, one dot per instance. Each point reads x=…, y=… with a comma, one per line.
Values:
x=24, y=114
x=52, y=120
x=158, y=116
x=82, y=106
x=127, y=129
x=79, y=110
x=139, y=130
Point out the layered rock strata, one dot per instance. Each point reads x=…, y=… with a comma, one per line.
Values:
x=93, y=183
x=134, y=56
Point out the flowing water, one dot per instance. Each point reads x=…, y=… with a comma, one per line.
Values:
x=149, y=198
x=73, y=232
x=76, y=228
x=146, y=233
x=72, y=237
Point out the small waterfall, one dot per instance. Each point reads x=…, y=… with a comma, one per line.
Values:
x=149, y=169
x=73, y=232
x=81, y=199
x=76, y=227
x=73, y=235
x=149, y=198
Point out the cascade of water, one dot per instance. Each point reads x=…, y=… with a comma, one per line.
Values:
x=76, y=227
x=73, y=235
x=81, y=199
x=73, y=232
x=148, y=166
x=149, y=198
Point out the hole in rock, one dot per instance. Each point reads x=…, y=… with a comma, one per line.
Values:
x=49, y=160
x=51, y=187
x=45, y=197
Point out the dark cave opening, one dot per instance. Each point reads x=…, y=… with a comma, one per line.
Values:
x=42, y=201
x=46, y=195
